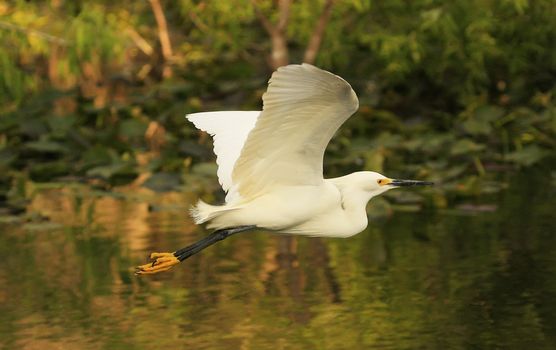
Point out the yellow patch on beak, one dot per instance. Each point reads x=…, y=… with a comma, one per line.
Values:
x=384, y=182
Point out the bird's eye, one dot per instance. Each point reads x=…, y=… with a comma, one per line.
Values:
x=381, y=182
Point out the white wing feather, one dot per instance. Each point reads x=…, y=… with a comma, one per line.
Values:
x=303, y=108
x=229, y=131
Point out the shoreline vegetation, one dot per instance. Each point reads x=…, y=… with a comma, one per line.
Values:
x=96, y=92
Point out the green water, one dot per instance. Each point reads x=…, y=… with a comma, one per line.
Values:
x=483, y=278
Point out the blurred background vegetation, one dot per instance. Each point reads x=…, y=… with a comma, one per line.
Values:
x=93, y=96
x=96, y=91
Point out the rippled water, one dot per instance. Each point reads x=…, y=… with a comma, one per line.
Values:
x=482, y=277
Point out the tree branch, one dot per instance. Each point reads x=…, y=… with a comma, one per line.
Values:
x=141, y=43
x=279, y=56
x=262, y=18
x=284, y=7
x=163, y=36
x=318, y=33
x=30, y=31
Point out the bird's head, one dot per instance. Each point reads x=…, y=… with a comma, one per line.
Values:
x=383, y=183
x=373, y=183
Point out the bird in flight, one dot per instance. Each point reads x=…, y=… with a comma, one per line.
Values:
x=270, y=164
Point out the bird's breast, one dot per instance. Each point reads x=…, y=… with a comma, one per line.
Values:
x=300, y=210
x=288, y=206
x=326, y=216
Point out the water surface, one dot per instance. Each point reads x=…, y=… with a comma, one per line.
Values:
x=479, y=277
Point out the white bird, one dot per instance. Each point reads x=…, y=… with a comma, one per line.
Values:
x=270, y=164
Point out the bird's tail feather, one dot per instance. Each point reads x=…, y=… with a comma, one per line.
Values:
x=203, y=212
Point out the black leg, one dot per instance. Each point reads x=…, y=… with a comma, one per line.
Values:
x=165, y=261
x=209, y=240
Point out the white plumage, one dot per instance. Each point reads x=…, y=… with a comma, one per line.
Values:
x=270, y=162
x=229, y=131
x=270, y=165
x=302, y=109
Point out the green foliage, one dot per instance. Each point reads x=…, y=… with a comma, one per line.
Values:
x=449, y=91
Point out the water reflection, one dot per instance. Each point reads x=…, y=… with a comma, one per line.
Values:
x=430, y=281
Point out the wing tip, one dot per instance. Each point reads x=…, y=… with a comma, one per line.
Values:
x=296, y=79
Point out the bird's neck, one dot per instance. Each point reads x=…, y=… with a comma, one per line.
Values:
x=355, y=200
x=354, y=197
x=354, y=203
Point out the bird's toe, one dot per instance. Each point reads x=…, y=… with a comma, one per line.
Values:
x=161, y=262
x=160, y=255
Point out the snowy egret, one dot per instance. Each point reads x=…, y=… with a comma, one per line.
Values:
x=270, y=165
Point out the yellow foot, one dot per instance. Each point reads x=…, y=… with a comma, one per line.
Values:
x=162, y=262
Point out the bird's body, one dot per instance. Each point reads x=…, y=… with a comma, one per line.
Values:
x=270, y=165
x=317, y=210
x=276, y=180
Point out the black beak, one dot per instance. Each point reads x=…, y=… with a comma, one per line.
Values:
x=403, y=183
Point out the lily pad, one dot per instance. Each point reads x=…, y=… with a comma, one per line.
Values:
x=163, y=182
x=60, y=125
x=45, y=146
x=528, y=155
x=46, y=171
x=132, y=128
x=466, y=146
x=107, y=171
x=476, y=126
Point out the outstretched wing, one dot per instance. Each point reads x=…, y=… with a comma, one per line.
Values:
x=229, y=131
x=302, y=109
